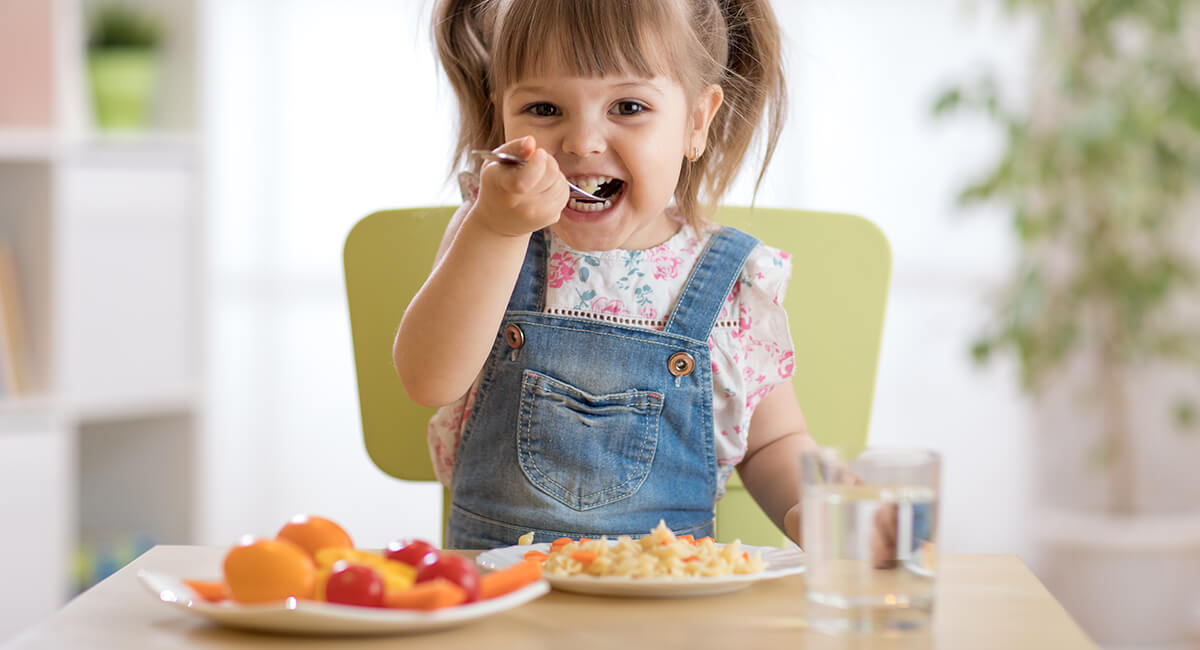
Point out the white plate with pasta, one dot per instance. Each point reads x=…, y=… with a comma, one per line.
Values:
x=777, y=562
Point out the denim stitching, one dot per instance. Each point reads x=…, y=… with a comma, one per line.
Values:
x=647, y=401
x=648, y=423
x=683, y=340
x=710, y=447
x=581, y=502
x=541, y=272
x=485, y=381
x=726, y=243
x=697, y=269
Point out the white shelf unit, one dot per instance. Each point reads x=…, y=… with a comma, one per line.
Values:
x=99, y=451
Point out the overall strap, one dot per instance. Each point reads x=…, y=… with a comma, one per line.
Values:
x=530, y=292
x=712, y=278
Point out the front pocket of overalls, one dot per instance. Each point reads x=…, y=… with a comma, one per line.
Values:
x=585, y=450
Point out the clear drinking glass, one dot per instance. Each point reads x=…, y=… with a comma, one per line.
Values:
x=869, y=533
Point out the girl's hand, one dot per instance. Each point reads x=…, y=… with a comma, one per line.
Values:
x=883, y=535
x=517, y=200
x=791, y=524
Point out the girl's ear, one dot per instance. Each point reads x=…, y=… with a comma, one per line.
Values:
x=703, y=111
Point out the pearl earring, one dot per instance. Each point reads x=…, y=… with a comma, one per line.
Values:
x=694, y=154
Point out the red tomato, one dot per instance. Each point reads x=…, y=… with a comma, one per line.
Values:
x=456, y=569
x=413, y=552
x=354, y=584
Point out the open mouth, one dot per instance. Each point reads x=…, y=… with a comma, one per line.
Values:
x=606, y=187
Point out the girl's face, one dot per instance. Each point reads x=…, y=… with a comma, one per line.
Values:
x=626, y=134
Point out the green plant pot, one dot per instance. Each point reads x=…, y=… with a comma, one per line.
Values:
x=124, y=84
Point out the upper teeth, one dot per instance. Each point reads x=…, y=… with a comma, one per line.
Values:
x=590, y=184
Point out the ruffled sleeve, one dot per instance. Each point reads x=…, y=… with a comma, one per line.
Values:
x=468, y=186
x=752, y=350
x=762, y=327
x=445, y=431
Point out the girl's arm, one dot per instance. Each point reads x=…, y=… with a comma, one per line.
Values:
x=770, y=469
x=448, y=329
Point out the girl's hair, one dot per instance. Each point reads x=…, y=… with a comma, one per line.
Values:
x=484, y=45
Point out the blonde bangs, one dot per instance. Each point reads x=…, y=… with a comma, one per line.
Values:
x=588, y=38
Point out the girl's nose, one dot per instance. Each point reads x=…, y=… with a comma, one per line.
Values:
x=583, y=138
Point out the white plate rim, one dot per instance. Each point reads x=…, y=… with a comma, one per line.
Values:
x=306, y=617
x=780, y=562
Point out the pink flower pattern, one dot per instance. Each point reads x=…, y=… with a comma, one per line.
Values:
x=787, y=365
x=609, y=306
x=748, y=359
x=562, y=268
x=666, y=264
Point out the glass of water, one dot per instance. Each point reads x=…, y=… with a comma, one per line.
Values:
x=869, y=533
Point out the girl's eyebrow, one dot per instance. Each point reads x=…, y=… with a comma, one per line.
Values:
x=646, y=84
x=541, y=90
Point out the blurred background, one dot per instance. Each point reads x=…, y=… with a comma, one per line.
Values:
x=175, y=344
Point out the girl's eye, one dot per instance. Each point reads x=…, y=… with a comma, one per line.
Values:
x=628, y=107
x=542, y=109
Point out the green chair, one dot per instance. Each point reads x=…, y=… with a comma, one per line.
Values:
x=841, y=266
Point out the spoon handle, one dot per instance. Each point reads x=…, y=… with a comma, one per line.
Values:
x=509, y=159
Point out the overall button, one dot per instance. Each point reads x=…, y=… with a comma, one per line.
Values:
x=514, y=336
x=681, y=364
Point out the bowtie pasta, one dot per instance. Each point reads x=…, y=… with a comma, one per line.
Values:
x=658, y=555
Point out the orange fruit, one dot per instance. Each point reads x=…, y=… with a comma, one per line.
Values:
x=268, y=570
x=314, y=533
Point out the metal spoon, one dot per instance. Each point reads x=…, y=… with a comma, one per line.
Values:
x=509, y=159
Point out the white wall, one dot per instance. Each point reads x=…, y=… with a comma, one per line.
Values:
x=311, y=106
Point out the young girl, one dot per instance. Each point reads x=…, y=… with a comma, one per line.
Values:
x=604, y=364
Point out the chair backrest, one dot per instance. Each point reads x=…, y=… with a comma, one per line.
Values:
x=388, y=255
x=841, y=268
x=841, y=265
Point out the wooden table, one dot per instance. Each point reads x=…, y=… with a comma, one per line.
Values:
x=984, y=601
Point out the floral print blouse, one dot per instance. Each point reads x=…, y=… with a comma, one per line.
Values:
x=751, y=347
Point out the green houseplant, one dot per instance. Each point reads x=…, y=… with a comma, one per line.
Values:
x=1100, y=175
x=123, y=46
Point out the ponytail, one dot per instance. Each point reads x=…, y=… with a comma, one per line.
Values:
x=461, y=34
x=749, y=54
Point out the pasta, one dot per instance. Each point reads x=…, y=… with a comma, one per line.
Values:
x=658, y=555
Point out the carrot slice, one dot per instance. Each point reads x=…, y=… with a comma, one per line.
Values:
x=560, y=542
x=535, y=556
x=504, y=581
x=435, y=594
x=703, y=539
x=585, y=557
x=214, y=591
x=687, y=538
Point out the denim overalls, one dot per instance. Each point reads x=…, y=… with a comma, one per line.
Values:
x=583, y=428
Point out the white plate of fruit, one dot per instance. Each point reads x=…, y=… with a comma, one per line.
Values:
x=309, y=579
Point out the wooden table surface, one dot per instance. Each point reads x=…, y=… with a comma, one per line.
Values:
x=983, y=601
